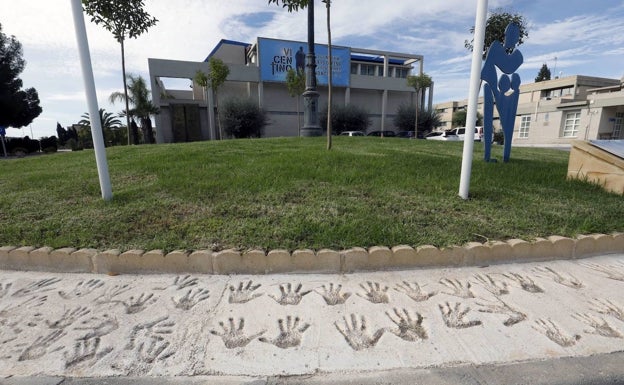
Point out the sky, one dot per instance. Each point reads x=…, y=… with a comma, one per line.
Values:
x=573, y=37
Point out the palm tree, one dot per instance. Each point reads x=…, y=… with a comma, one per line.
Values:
x=139, y=97
x=110, y=124
x=108, y=119
x=419, y=83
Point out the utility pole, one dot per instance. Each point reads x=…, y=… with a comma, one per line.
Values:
x=311, y=125
x=94, y=113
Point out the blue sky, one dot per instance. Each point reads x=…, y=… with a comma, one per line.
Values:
x=585, y=36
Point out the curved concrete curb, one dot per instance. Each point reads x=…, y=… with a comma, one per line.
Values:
x=306, y=261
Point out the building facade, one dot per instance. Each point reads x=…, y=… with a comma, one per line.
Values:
x=558, y=111
x=371, y=79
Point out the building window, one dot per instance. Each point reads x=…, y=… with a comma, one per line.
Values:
x=367, y=69
x=380, y=71
x=400, y=72
x=354, y=68
x=525, y=123
x=572, y=123
x=617, y=125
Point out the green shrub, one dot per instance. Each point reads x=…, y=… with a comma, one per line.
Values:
x=49, y=144
x=242, y=118
x=428, y=120
x=346, y=118
x=499, y=137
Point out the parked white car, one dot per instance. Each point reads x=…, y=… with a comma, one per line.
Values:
x=443, y=135
x=455, y=134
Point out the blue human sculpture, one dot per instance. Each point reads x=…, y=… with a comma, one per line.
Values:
x=503, y=92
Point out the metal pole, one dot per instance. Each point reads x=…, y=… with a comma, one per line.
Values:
x=311, y=125
x=473, y=98
x=94, y=114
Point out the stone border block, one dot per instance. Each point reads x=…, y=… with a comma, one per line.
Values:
x=352, y=259
x=303, y=260
x=39, y=259
x=618, y=242
x=141, y=261
x=452, y=256
x=520, y=249
x=85, y=258
x=500, y=252
x=253, y=262
x=65, y=260
x=279, y=261
x=227, y=262
x=541, y=250
x=106, y=262
x=19, y=258
x=476, y=253
x=428, y=256
x=176, y=261
x=327, y=261
x=200, y=262
x=4, y=256
x=404, y=256
x=584, y=246
x=563, y=247
x=379, y=258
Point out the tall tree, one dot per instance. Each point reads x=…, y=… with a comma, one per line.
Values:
x=459, y=119
x=292, y=5
x=543, y=74
x=109, y=122
x=495, y=27
x=419, y=83
x=295, y=81
x=124, y=19
x=139, y=96
x=18, y=107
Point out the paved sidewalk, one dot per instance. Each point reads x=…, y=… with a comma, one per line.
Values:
x=460, y=325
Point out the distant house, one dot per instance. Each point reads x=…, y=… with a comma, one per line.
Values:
x=555, y=112
x=372, y=79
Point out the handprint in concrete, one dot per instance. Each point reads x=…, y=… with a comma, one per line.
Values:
x=290, y=333
x=495, y=286
x=191, y=298
x=141, y=332
x=86, y=351
x=289, y=296
x=526, y=283
x=110, y=295
x=614, y=272
x=98, y=326
x=5, y=288
x=375, y=293
x=244, y=293
x=82, y=289
x=69, y=317
x=183, y=282
x=137, y=304
x=233, y=336
x=37, y=287
x=356, y=333
x=409, y=329
x=599, y=326
x=332, y=295
x=554, y=333
x=40, y=346
x=514, y=316
x=32, y=302
x=414, y=291
x=453, y=316
x=458, y=289
x=606, y=307
x=567, y=280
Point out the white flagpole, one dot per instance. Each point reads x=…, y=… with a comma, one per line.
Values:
x=473, y=98
x=94, y=113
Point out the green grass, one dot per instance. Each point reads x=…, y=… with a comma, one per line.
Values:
x=292, y=193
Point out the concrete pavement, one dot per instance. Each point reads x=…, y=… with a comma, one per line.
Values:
x=538, y=322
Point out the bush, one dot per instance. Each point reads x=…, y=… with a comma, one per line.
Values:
x=499, y=137
x=428, y=120
x=23, y=145
x=346, y=118
x=49, y=144
x=242, y=118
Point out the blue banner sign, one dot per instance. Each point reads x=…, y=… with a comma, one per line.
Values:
x=276, y=57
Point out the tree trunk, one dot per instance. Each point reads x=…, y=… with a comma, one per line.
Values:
x=329, y=78
x=123, y=72
x=298, y=115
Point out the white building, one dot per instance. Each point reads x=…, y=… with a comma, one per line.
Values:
x=374, y=80
x=558, y=111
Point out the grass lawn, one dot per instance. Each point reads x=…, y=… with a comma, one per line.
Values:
x=291, y=193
